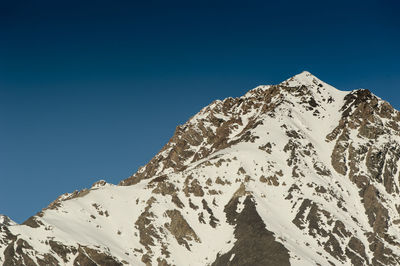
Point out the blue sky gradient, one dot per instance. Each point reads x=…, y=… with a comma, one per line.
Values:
x=93, y=90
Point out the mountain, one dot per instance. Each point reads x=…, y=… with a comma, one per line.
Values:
x=297, y=173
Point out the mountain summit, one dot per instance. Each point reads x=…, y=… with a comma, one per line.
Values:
x=297, y=173
x=304, y=78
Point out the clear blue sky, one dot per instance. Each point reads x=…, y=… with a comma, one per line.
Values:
x=92, y=90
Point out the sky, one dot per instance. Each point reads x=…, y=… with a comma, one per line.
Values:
x=92, y=90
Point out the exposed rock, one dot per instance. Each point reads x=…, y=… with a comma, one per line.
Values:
x=92, y=257
x=192, y=186
x=62, y=250
x=254, y=245
x=180, y=228
x=213, y=221
x=147, y=231
x=270, y=180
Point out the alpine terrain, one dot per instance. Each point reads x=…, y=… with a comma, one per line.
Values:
x=297, y=173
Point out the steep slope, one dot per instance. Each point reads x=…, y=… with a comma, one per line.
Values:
x=298, y=173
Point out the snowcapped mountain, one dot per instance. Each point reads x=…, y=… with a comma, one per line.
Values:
x=297, y=173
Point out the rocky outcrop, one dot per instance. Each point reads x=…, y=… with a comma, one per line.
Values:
x=180, y=229
x=254, y=245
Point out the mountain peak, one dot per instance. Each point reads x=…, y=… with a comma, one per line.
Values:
x=316, y=86
x=303, y=78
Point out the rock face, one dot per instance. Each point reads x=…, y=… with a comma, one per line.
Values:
x=297, y=173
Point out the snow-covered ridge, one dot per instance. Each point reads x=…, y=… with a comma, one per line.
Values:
x=5, y=220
